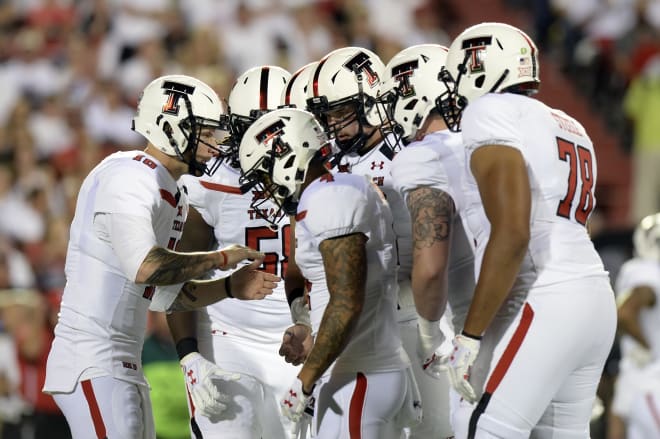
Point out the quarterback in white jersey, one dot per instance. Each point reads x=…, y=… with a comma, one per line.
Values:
x=543, y=317
x=120, y=262
x=638, y=290
x=345, y=250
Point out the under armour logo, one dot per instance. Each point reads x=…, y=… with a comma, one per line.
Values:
x=375, y=165
x=258, y=195
x=293, y=394
x=190, y=374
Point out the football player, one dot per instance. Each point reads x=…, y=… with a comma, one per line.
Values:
x=121, y=262
x=357, y=370
x=233, y=335
x=429, y=173
x=638, y=289
x=344, y=95
x=542, y=319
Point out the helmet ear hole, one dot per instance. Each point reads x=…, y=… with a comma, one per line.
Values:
x=479, y=82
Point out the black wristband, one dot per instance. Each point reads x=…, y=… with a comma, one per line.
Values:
x=185, y=346
x=474, y=337
x=294, y=294
x=228, y=287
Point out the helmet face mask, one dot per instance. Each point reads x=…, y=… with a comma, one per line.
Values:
x=487, y=58
x=172, y=113
x=275, y=154
x=646, y=238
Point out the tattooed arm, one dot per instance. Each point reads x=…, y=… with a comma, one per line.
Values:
x=167, y=267
x=247, y=283
x=345, y=264
x=432, y=212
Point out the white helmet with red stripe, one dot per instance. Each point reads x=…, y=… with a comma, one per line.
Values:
x=487, y=58
x=276, y=152
x=347, y=81
x=255, y=92
x=295, y=92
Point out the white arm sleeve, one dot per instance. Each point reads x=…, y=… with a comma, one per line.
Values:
x=131, y=237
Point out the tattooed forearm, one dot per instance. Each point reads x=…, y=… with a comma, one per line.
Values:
x=186, y=299
x=345, y=263
x=431, y=211
x=188, y=291
x=180, y=304
x=172, y=267
x=197, y=294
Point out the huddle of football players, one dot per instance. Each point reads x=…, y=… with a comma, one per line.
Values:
x=428, y=219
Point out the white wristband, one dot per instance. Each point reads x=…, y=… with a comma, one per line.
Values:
x=300, y=312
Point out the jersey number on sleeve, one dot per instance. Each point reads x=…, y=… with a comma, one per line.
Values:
x=580, y=160
x=253, y=238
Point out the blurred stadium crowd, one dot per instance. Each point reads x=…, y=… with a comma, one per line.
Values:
x=71, y=71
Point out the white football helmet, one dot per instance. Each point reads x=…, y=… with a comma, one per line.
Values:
x=487, y=58
x=646, y=238
x=347, y=79
x=255, y=92
x=171, y=113
x=295, y=92
x=276, y=152
x=411, y=86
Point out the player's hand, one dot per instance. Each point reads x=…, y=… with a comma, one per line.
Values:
x=429, y=340
x=301, y=429
x=297, y=341
x=460, y=365
x=199, y=374
x=231, y=255
x=295, y=401
x=249, y=283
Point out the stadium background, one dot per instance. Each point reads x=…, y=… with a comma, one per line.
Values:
x=71, y=71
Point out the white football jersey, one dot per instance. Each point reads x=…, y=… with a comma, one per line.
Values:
x=103, y=314
x=438, y=161
x=635, y=273
x=561, y=165
x=339, y=205
x=220, y=202
x=376, y=165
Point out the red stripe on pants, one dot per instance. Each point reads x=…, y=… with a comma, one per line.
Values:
x=511, y=350
x=99, y=426
x=653, y=409
x=356, y=407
